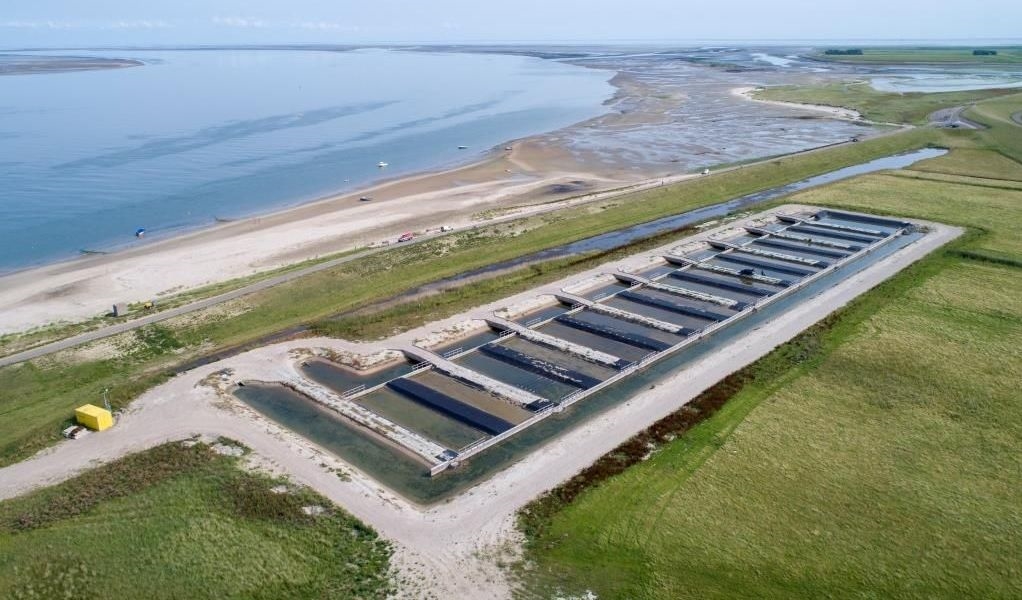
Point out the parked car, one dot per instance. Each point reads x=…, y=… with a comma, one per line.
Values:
x=406, y=237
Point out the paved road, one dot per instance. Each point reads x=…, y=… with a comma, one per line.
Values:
x=1017, y=117
x=954, y=117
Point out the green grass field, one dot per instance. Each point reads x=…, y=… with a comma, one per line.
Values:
x=177, y=522
x=902, y=55
x=876, y=456
x=883, y=107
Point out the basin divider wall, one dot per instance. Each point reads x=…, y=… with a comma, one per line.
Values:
x=617, y=335
x=813, y=229
x=481, y=446
x=768, y=254
x=429, y=450
x=583, y=352
x=625, y=315
x=784, y=235
x=685, y=292
x=690, y=264
x=500, y=389
x=770, y=242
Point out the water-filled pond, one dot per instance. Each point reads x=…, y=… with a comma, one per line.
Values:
x=407, y=476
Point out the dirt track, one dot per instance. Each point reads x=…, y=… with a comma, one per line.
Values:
x=448, y=550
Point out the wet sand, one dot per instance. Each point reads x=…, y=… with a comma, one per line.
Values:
x=12, y=64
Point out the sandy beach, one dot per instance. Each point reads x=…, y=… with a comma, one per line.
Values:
x=657, y=126
x=836, y=112
x=85, y=287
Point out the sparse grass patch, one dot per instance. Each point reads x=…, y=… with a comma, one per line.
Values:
x=929, y=55
x=184, y=522
x=884, y=107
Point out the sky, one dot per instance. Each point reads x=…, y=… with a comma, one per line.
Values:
x=71, y=23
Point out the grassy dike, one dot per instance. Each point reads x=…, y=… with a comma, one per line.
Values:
x=883, y=107
x=184, y=522
x=876, y=455
x=899, y=55
x=39, y=396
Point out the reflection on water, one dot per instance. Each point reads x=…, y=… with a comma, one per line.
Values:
x=946, y=82
x=473, y=396
x=408, y=413
x=336, y=434
x=542, y=314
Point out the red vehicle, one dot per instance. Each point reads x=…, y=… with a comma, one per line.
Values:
x=406, y=237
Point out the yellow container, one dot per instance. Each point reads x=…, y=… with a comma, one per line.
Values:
x=94, y=417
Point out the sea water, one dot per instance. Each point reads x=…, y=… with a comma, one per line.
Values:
x=192, y=136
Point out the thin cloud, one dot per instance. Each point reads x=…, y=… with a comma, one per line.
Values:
x=40, y=24
x=139, y=24
x=241, y=22
x=59, y=25
x=255, y=23
x=324, y=26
